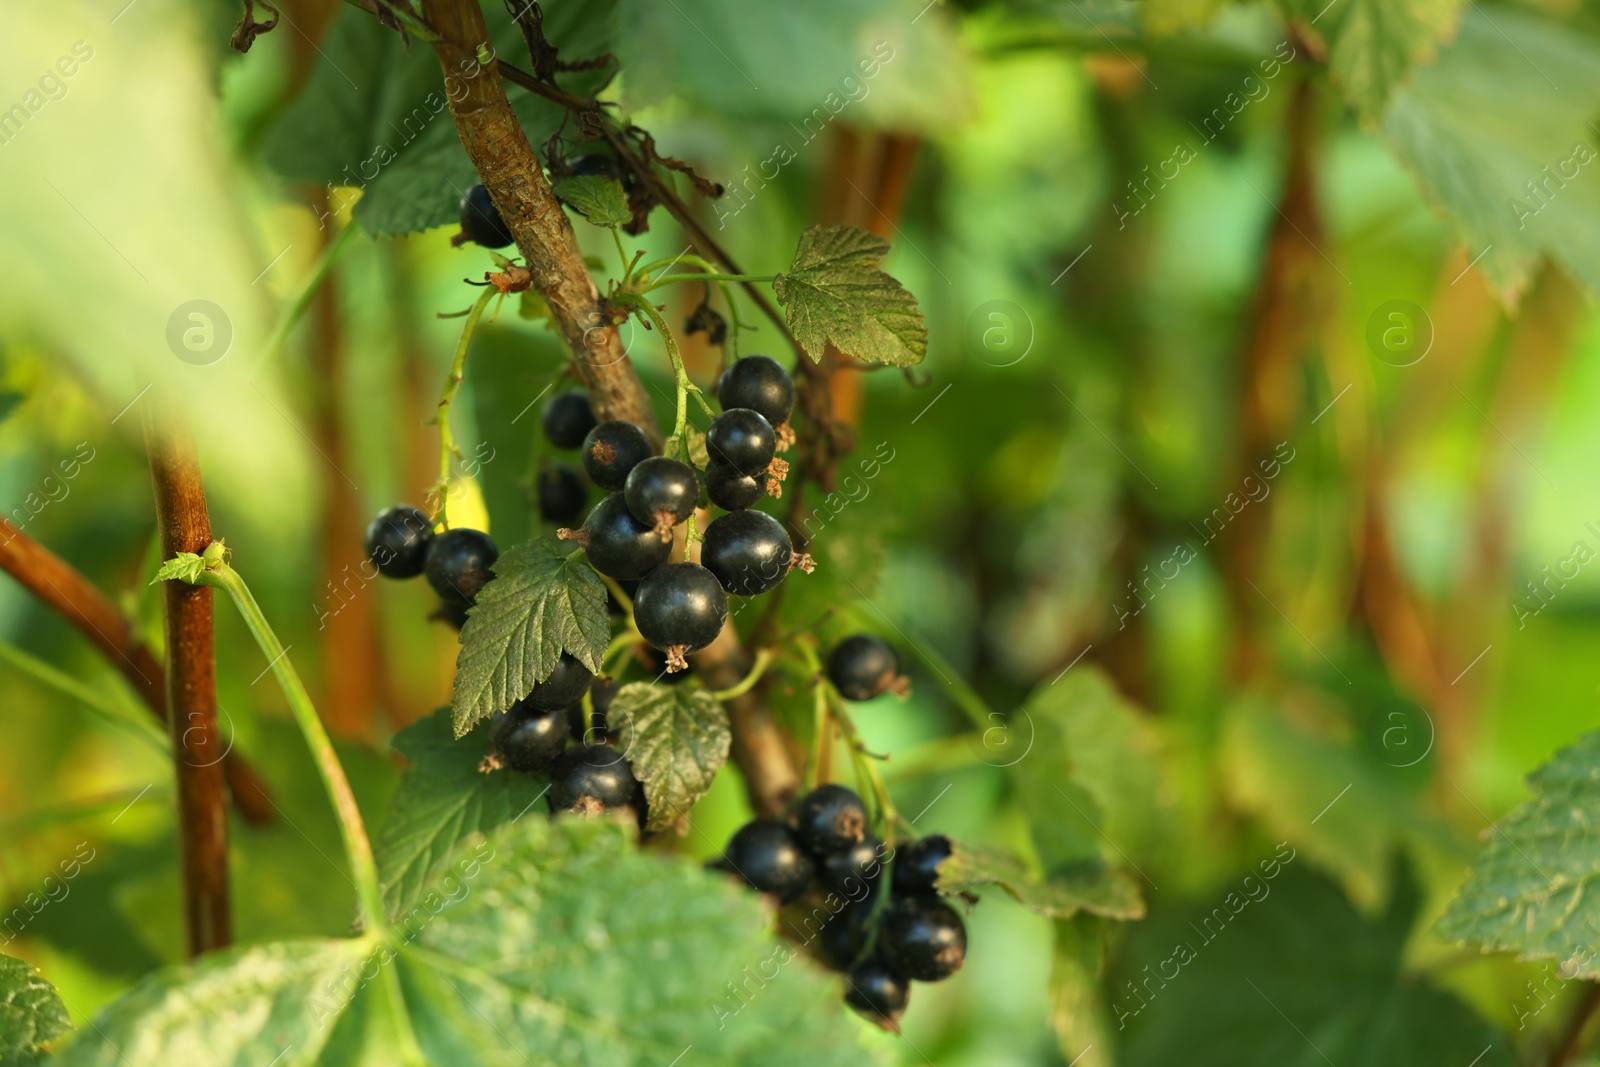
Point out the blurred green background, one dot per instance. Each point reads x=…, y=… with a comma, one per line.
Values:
x=1148, y=266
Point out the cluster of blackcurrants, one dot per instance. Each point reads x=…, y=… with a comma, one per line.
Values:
x=880, y=947
x=401, y=544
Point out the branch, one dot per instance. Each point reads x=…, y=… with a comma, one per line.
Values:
x=69, y=594
x=191, y=681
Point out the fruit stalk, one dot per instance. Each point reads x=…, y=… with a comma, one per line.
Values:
x=191, y=683
x=452, y=386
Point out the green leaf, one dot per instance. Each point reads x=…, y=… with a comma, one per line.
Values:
x=442, y=800
x=835, y=294
x=1077, y=1003
x=1373, y=45
x=184, y=567
x=1089, y=885
x=1496, y=133
x=1163, y=17
x=31, y=1013
x=9, y=402
x=1531, y=890
x=679, y=741
x=538, y=605
x=566, y=944
x=597, y=198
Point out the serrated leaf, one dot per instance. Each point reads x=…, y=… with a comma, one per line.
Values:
x=679, y=740
x=1532, y=889
x=184, y=567
x=597, y=198
x=538, y=604
x=1374, y=45
x=1089, y=885
x=442, y=800
x=31, y=1013
x=835, y=294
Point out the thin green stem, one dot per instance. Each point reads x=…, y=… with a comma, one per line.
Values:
x=622, y=253
x=358, y=849
x=452, y=385
x=679, y=372
x=748, y=682
x=821, y=729
x=297, y=310
x=670, y=279
x=867, y=776
x=965, y=697
x=103, y=706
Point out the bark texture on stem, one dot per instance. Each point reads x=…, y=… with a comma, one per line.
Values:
x=191, y=682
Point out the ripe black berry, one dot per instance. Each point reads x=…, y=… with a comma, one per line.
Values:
x=458, y=563
x=590, y=779
x=598, y=163
x=661, y=493
x=853, y=871
x=863, y=666
x=562, y=494
x=565, y=686
x=680, y=608
x=742, y=440
x=730, y=490
x=875, y=989
x=567, y=418
x=761, y=384
x=767, y=854
x=924, y=938
x=839, y=942
x=619, y=545
x=611, y=450
x=748, y=551
x=831, y=818
x=529, y=740
x=916, y=866
x=397, y=541
x=480, y=219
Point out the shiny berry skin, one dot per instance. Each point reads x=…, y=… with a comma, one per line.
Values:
x=531, y=741
x=661, y=492
x=567, y=418
x=611, y=450
x=458, y=563
x=397, y=541
x=748, y=551
x=590, y=779
x=730, y=490
x=873, y=988
x=741, y=440
x=562, y=494
x=597, y=163
x=923, y=938
x=480, y=219
x=839, y=942
x=766, y=854
x=680, y=606
x=619, y=545
x=853, y=871
x=916, y=866
x=565, y=686
x=831, y=818
x=761, y=384
x=863, y=666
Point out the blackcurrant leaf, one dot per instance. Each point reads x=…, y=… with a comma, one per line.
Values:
x=184, y=567
x=677, y=739
x=1532, y=889
x=538, y=605
x=1088, y=885
x=31, y=1013
x=835, y=294
x=442, y=799
x=597, y=198
x=1373, y=45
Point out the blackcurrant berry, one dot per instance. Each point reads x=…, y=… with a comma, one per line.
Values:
x=397, y=541
x=565, y=686
x=590, y=779
x=839, y=942
x=597, y=163
x=924, y=938
x=730, y=490
x=853, y=871
x=874, y=988
x=480, y=219
x=916, y=866
x=741, y=440
x=529, y=740
x=567, y=418
x=458, y=563
x=761, y=384
x=680, y=608
x=611, y=450
x=661, y=493
x=562, y=494
x=831, y=818
x=766, y=854
x=863, y=666
x=748, y=551
x=619, y=545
